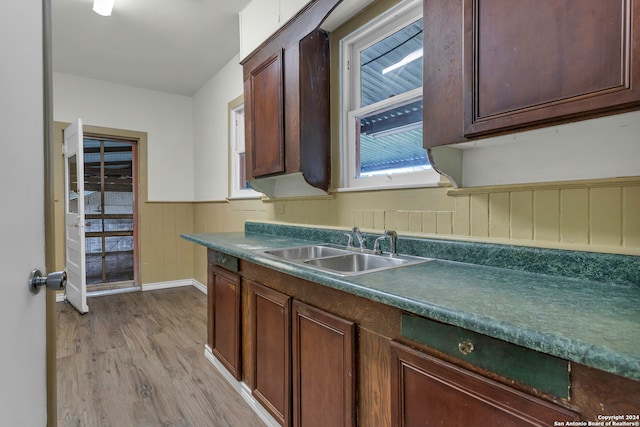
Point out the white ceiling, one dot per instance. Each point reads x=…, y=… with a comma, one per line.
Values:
x=172, y=46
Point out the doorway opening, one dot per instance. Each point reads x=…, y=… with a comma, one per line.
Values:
x=111, y=248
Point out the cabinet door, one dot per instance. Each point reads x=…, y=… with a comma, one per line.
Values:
x=224, y=318
x=266, y=139
x=525, y=64
x=270, y=347
x=428, y=391
x=323, y=368
x=546, y=58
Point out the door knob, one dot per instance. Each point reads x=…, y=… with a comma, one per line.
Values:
x=55, y=281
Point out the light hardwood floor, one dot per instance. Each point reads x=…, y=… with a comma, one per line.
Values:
x=137, y=359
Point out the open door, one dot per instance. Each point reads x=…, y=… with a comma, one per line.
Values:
x=74, y=216
x=23, y=376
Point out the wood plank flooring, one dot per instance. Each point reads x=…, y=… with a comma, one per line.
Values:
x=137, y=359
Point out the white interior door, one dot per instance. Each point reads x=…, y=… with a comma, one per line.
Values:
x=22, y=314
x=74, y=216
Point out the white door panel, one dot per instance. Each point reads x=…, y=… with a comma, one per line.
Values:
x=22, y=314
x=74, y=216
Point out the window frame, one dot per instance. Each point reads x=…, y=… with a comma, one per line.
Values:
x=367, y=35
x=236, y=150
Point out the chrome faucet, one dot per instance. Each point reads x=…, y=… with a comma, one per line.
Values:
x=361, y=240
x=376, y=245
x=392, y=236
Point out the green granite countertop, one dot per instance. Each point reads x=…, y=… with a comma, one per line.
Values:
x=590, y=322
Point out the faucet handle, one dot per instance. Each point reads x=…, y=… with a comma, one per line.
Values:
x=393, y=236
x=350, y=241
x=361, y=239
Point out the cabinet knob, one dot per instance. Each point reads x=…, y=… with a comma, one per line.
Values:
x=465, y=347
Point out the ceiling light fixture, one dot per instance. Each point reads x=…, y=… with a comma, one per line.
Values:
x=103, y=7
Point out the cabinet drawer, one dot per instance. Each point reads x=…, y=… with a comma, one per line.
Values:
x=428, y=391
x=223, y=260
x=546, y=373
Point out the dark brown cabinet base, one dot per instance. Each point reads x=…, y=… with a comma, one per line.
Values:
x=302, y=361
x=428, y=391
x=223, y=295
x=323, y=368
x=270, y=345
x=314, y=355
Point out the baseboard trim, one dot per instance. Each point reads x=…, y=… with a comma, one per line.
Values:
x=61, y=297
x=199, y=286
x=167, y=285
x=113, y=291
x=242, y=389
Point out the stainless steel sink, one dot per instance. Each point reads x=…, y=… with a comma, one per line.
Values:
x=306, y=252
x=355, y=263
x=342, y=261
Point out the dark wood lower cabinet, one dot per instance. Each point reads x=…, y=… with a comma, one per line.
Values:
x=323, y=368
x=304, y=365
x=223, y=295
x=428, y=391
x=303, y=361
x=271, y=350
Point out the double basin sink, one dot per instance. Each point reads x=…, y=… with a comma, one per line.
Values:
x=342, y=260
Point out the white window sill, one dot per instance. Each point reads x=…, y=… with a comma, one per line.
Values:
x=390, y=187
x=246, y=197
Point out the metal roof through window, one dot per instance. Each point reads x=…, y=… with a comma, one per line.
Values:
x=392, y=138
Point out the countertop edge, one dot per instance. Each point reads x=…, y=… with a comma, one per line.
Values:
x=572, y=350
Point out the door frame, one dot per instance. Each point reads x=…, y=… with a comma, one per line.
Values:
x=51, y=324
x=140, y=138
x=134, y=142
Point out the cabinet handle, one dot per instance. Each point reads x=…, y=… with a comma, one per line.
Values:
x=465, y=347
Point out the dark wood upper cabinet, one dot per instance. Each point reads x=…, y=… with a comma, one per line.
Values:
x=267, y=112
x=287, y=126
x=531, y=63
x=287, y=106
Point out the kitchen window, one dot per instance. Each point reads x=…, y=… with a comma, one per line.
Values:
x=382, y=143
x=238, y=183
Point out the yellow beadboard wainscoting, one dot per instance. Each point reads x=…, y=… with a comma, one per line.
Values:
x=220, y=217
x=599, y=216
x=164, y=256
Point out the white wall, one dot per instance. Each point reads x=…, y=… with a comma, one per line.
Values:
x=166, y=118
x=211, y=150
x=606, y=147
